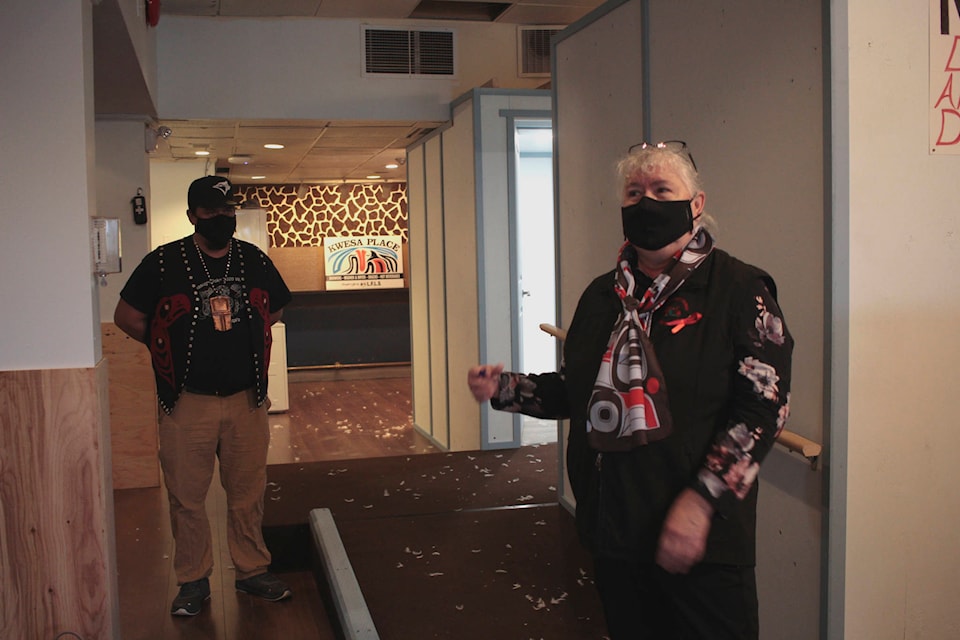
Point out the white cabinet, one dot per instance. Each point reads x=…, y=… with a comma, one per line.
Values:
x=252, y=227
x=277, y=373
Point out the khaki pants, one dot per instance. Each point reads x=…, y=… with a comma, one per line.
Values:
x=201, y=429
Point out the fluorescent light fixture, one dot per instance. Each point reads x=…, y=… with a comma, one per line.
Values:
x=201, y=153
x=272, y=145
x=257, y=177
x=373, y=177
x=391, y=166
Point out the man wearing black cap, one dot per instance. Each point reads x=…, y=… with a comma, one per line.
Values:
x=204, y=305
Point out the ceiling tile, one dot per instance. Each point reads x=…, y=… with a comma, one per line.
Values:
x=271, y=8
x=543, y=15
x=371, y=9
x=190, y=7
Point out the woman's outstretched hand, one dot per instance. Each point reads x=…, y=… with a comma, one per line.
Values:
x=484, y=381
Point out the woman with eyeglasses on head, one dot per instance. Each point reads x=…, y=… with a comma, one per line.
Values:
x=676, y=381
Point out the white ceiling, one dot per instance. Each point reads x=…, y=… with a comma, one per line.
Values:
x=519, y=12
x=324, y=150
x=315, y=151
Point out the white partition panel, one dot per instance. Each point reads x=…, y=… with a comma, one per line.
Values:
x=748, y=99
x=597, y=115
x=436, y=288
x=460, y=233
x=419, y=298
x=460, y=262
x=746, y=94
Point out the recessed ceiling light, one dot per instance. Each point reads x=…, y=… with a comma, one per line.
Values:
x=373, y=177
x=240, y=159
x=257, y=177
x=273, y=145
x=201, y=153
x=392, y=166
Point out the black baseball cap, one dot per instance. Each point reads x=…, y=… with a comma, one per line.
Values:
x=211, y=192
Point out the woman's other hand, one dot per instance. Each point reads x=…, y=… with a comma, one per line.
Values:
x=683, y=540
x=484, y=380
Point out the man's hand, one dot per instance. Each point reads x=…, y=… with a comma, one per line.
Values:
x=131, y=321
x=683, y=540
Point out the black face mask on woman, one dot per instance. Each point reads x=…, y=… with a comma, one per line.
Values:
x=217, y=230
x=653, y=224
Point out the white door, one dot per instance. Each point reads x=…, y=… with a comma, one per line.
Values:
x=536, y=261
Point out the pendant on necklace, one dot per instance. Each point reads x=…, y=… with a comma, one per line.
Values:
x=220, y=310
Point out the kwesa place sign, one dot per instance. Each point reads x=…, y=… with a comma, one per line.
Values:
x=363, y=262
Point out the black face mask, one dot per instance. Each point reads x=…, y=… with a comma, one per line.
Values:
x=653, y=224
x=217, y=230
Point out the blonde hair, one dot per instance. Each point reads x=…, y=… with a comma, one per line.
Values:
x=644, y=159
x=647, y=158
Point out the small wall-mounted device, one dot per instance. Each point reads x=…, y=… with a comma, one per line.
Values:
x=139, y=204
x=105, y=236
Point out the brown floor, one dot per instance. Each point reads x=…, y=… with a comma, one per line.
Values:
x=464, y=545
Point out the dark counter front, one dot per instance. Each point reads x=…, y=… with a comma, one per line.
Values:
x=348, y=327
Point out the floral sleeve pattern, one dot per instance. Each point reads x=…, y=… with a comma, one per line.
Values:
x=761, y=404
x=537, y=395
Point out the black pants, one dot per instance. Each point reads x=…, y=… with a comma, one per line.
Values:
x=712, y=602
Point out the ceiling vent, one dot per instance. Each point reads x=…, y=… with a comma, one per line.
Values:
x=533, y=51
x=408, y=52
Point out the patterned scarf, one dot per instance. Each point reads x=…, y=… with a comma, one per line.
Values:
x=628, y=406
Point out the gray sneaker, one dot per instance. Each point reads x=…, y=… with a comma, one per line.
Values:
x=191, y=597
x=266, y=585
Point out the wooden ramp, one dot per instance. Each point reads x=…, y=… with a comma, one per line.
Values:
x=447, y=545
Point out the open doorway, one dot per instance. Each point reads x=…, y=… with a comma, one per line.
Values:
x=535, y=249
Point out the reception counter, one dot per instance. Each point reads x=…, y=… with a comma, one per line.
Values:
x=351, y=327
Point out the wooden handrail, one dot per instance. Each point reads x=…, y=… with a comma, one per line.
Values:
x=798, y=444
x=793, y=442
x=556, y=332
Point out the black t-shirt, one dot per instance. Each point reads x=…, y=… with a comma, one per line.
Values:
x=174, y=286
x=221, y=361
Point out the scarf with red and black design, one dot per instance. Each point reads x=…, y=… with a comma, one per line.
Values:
x=628, y=406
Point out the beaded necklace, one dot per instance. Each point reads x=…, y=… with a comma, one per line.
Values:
x=220, y=306
x=204, y=262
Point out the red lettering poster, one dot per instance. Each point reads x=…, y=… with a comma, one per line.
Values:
x=945, y=77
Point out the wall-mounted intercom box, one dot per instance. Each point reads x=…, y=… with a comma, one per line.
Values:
x=105, y=235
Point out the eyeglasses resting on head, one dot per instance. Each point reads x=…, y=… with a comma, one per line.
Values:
x=677, y=146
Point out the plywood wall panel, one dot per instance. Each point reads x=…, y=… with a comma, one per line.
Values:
x=133, y=410
x=57, y=556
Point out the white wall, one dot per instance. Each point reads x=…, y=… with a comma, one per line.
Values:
x=169, y=182
x=311, y=69
x=122, y=168
x=50, y=315
x=896, y=284
x=143, y=39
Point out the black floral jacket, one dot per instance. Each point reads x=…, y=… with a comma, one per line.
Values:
x=726, y=354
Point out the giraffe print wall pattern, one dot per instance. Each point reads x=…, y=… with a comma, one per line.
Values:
x=375, y=209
